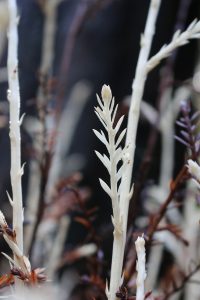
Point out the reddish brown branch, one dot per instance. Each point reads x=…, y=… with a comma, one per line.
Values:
x=181, y=286
x=158, y=217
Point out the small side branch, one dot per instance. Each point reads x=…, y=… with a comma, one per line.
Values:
x=179, y=39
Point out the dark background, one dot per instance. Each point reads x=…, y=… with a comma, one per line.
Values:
x=105, y=50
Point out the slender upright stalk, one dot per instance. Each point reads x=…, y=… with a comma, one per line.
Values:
x=128, y=159
x=141, y=275
x=15, y=122
x=137, y=93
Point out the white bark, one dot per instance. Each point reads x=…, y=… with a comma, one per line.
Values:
x=15, y=122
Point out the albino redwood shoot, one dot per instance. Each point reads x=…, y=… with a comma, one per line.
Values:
x=141, y=272
x=15, y=122
x=106, y=112
x=121, y=197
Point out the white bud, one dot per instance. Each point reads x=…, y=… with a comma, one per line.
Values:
x=106, y=93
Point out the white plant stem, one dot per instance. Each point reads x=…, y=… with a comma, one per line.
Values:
x=16, y=170
x=138, y=87
x=191, y=233
x=106, y=112
x=141, y=276
x=133, y=117
x=15, y=122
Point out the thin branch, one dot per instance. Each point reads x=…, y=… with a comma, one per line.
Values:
x=182, y=285
x=15, y=122
x=178, y=180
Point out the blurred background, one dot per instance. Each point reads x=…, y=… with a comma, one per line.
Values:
x=67, y=50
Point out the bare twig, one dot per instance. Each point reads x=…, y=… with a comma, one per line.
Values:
x=182, y=284
x=178, y=180
x=15, y=122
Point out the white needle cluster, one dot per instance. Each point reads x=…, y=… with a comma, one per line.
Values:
x=106, y=112
x=116, y=162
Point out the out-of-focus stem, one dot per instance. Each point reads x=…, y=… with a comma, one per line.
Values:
x=47, y=57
